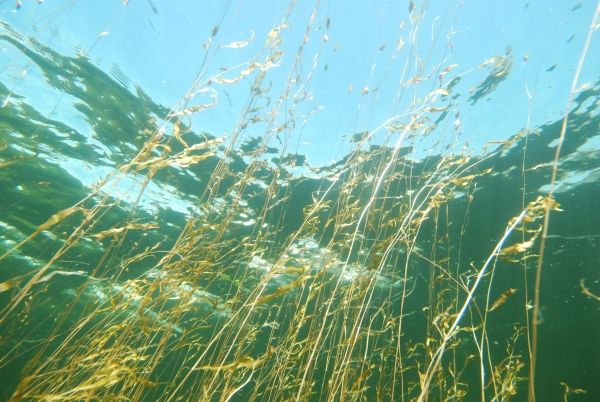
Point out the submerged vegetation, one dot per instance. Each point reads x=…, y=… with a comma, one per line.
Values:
x=145, y=257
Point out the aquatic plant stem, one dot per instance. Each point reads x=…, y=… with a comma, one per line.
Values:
x=538, y=275
x=437, y=357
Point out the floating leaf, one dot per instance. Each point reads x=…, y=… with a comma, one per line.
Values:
x=132, y=226
x=237, y=45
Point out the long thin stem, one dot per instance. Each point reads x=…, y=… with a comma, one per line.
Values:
x=538, y=275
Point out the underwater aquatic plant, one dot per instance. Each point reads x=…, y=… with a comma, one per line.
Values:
x=147, y=256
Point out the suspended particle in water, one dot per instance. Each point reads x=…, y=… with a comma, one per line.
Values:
x=18, y=6
x=525, y=57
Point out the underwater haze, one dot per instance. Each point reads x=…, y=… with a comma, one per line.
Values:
x=299, y=200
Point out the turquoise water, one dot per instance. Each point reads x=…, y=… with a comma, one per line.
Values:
x=272, y=201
